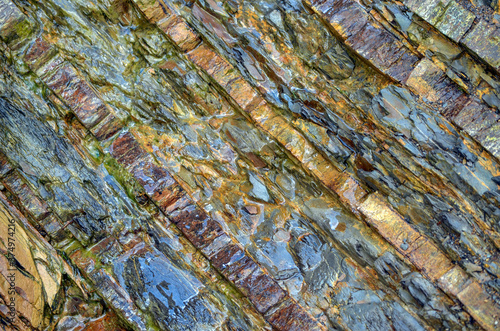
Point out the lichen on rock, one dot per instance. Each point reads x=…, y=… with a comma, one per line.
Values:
x=249, y=165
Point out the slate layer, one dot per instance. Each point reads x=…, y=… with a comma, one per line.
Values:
x=373, y=43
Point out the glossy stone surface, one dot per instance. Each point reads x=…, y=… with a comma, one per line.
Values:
x=250, y=165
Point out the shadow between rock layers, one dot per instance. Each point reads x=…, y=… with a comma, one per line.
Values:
x=249, y=165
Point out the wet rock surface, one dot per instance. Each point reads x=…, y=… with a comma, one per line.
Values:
x=249, y=165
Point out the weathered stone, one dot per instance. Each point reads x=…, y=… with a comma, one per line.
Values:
x=454, y=281
x=85, y=263
x=156, y=180
x=109, y=321
x=288, y=316
x=214, y=64
x=349, y=190
x=430, y=81
x=483, y=40
x=430, y=10
x=107, y=128
x=173, y=200
x=476, y=118
x=449, y=17
x=262, y=135
x=180, y=32
x=368, y=38
x=455, y=21
x=51, y=225
x=113, y=292
x=389, y=223
x=36, y=207
x=5, y=166
x=261, y=289
x=216, y=245
x=155, y=10
x=127, y=150
x=79, y=96
x=240, y=269
x=93, y=260
x=241, y=92
x=14, y=27
x=480, y=306
x=213, y=25
x=429, y=258
x=175, y=298
x=197, y=225
x=20, y=284
x=39, y=53
x=225, y=258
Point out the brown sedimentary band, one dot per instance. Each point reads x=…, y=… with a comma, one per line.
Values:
x=204, y=232
x=399, y=65
x=368, y=38
x=461, y=25
x=50, y=225
x=379, y=47
x=375, y=45
x=476, y=118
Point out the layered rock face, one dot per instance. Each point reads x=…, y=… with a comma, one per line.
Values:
x=249, y=165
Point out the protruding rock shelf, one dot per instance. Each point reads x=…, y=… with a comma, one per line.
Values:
x=243, y=165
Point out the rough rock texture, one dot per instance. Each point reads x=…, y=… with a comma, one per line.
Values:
x=249, y=165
